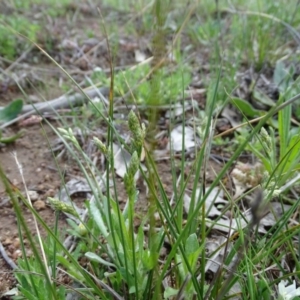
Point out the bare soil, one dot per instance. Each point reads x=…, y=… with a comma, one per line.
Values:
x=40, y=175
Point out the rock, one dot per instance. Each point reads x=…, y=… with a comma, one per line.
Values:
x=39, y=205
x=33, y=195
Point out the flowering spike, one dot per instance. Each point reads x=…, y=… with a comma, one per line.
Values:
x=266, y=139
x=100, y=146
x=138, y=131
x=61, y=206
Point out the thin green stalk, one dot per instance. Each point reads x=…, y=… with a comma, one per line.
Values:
x=178, y=240
x=276, y=243
x=216, y=181
x=55, y=238
x=110, y=165
x=25, y=257
x=22, y=224
x=131, y=237
x=180, y=199
x=55, y=247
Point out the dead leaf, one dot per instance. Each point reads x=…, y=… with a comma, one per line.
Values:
x=213, y=200
x=178, y=109
x=77, y=185
x=177, y=136
x=232, y=116
x=121, y=161
x=215, y=248
x=139, y=56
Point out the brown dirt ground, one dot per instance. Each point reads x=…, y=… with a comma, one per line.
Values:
x=39, y=173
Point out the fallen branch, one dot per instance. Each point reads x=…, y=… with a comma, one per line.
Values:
x=58, y=103
x=7, y=259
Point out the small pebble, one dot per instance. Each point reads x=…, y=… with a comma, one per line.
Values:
x=41, y=187
x=33, y=195
x=16, y=243
x=39, y=205
x=50, y=193
x=7, y=241
x=17, y=254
